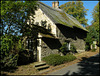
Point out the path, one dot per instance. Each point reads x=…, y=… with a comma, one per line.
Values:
x=88, y=66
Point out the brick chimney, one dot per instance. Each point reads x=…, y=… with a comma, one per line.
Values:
x=55, y=4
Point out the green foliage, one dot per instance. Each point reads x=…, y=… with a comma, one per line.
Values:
x=19, y=46
x=69, y=57
x=95, y=15
x=10, y=47
x=24, y=57
x=92, y=35
x=55, y=59
x=14, y=16
x=95, y=21
x=93, y=50
x=72, y=48
x=6, y=46
x=87, y=47
x=64, y=48
x=77, y=10
x=9, y=61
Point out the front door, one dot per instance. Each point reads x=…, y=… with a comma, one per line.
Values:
x=31, y=46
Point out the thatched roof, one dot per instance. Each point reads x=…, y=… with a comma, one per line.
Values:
x=58, y=16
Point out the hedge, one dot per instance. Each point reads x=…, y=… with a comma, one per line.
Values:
x=55, y=59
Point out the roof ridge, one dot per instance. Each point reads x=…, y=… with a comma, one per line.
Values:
x=59, y=16
x=55, y=9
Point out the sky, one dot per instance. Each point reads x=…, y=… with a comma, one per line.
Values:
x=87, y=4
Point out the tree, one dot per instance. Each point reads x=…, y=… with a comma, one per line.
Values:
x=95, y=21
x=15, y=15
x=77, y=10
x=95, y=15
x=14, y=18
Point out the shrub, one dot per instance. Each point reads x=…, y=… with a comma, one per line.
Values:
x=11, y=45
x=87, y=47
x=64, y=48
x=93, y=50
x=23, y=57
x=73, y=48
x=55, y=59
x=9, y=61
x=69, y=57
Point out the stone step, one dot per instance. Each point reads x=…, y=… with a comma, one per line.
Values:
x=42, y=67
x=40, y=64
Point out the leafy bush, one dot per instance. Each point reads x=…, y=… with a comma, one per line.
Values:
x=64, y=48
x=9, y=61
x=87, y=47
x=69, y=57
x=6, y=45
x=73, y=48
x=10, y=47
x=92, y=35
x=93, y=50
x=55, y=59
x=24, y=57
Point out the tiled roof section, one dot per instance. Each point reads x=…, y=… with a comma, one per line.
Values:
x=60, y=17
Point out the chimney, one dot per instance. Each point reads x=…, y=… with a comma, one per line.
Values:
x=55, y=4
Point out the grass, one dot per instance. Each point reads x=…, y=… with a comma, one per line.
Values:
x=22, y=70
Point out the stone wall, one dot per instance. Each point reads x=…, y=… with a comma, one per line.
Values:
x=74, y=35
x=41, y=16
x=49, y=46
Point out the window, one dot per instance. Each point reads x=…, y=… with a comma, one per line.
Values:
x=37, y=23
x=49, y=27
x=43, y=23
x=29, y=44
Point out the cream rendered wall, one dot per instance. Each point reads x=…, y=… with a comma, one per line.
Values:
x=38, y=17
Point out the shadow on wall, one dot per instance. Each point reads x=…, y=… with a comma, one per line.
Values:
x=71, y=32
x=52, y=43
x=88, y=66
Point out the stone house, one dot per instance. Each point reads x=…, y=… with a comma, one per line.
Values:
x=61, y=28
